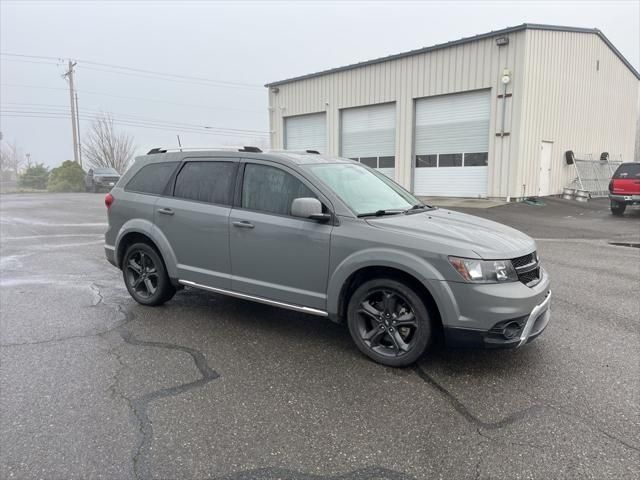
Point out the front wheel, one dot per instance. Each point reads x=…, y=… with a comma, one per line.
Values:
x=145, y=276
x=618, y=208
x=389, y=322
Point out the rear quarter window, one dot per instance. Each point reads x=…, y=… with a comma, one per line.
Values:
x=209, y=182
x=628, y=170
x=152, y=179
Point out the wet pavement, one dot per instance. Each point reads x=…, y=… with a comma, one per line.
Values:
x=93, y=385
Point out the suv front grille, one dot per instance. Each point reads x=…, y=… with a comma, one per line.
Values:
x=109, y=179
x=528, y=268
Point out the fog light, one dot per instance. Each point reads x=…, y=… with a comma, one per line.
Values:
x=511, y=330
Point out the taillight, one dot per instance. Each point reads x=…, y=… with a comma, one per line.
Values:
x=108, y=200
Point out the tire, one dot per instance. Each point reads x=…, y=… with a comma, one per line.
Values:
x=389, y=322
x=145, y=275
x=618, y=208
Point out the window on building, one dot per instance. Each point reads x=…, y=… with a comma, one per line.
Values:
x=370, y=161
x=152, y=179
x=387, y=162
x=476, y=159
x=426, y=161
x=450, y=160
x=270, y=189
x=210, y=182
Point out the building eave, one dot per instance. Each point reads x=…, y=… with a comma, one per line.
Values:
x=493, y=33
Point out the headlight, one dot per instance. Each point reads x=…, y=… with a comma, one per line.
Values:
x=484, y=271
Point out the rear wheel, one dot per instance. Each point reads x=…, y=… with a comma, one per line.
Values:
x=389, y=322
x=145, y=275
x=618, y=208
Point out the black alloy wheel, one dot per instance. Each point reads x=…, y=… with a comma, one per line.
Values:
x=145, y=275
x=389, y=322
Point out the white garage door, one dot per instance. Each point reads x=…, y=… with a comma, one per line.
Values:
x=306, y=132
x=452, y=145
x=368, y=135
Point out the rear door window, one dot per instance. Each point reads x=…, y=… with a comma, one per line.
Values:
x=152, y=179
x=628, y=170
x=209, y=182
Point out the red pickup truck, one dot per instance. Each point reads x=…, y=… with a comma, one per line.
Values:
x=624, y=187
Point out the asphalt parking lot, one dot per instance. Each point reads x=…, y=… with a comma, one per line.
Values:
x=93, y=385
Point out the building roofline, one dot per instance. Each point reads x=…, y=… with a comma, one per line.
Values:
x=493, y=33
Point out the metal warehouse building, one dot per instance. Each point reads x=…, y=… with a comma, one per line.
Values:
x=486, y=116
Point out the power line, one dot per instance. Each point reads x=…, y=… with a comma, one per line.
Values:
x=149, y=73
x=143, y=99
x=130, y=123
x=56, y=109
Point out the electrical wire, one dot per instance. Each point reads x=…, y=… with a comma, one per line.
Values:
x=111, y=68
x=143, y=99
x=134, y=117
x=63, y=116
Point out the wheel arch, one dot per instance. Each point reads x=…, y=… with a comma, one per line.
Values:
x=139, y=230
x=413, y=271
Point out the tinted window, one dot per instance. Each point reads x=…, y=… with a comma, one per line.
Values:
x=424, y=161
x=370, y=161
x=450, y=160
x=210, y=182
x=270, y=189
x=628, y=170
x=387, y=162
x=476, y=159
x=152, y=178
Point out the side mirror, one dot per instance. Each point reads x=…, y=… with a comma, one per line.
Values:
x=308, y=207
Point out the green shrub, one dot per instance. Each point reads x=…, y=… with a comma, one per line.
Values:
x=68, y=177
x=34, y=177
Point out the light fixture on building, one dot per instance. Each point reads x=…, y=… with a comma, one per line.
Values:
x=506, y=76
x=500, y=41
x=275, y=89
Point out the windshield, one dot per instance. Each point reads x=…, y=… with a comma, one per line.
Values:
x=364, y=191
x=105, y=171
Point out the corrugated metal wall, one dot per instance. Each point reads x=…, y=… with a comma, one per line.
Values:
x=578, y=95
x=471, y=66
x=555, y=91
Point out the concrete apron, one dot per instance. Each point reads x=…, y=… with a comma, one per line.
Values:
x=458, y=202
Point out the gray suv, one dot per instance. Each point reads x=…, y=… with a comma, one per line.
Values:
x=324, y=236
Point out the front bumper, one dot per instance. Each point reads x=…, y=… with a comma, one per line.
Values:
x=497, y=315
x=523, y=330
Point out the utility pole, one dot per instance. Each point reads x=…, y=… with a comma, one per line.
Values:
x=74, y=125
x=78, y=127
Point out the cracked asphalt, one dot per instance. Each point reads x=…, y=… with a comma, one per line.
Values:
x=93, y=385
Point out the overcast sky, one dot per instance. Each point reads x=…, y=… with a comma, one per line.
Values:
x=241, y=45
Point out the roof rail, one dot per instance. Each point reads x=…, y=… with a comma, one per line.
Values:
x=156, y=150
x=313, y=151
x=180, y=149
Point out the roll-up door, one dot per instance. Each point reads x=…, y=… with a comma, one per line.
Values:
x=452, y=145
x=368, y=135
x=306, y=132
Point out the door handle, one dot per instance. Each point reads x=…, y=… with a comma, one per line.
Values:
x=243, y=224
x=166, y=211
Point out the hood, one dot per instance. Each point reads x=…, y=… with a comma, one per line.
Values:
x=488, y=239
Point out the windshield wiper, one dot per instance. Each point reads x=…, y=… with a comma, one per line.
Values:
x=380, y=213
x=418, y=206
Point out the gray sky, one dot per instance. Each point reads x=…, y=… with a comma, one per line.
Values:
x=241, y=43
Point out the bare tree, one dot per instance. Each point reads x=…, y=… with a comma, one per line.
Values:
x=105, y=147
x=11, y=161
